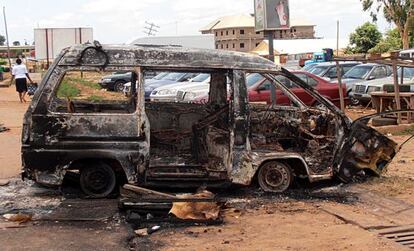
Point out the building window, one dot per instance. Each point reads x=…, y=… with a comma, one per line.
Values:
x=227, y=33
x=222, y=33
x=216, y=33
x=227, y=46
x=234, y=45
x=234, y=32
x=241, y=32
x=257, y=32
x=222, y=46
x=216, y=46
x=241, y=45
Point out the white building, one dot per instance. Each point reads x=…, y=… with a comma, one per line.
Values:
x=49, y=42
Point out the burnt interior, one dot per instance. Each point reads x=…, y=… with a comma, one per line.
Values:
x=191, y=134
x=290, y=129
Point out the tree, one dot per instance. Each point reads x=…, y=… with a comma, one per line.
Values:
x=16, y=43
x=364, y=38
x=400, y=12
x=391, y=42
x=2, y=40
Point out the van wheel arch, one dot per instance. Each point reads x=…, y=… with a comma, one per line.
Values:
x=113, y=164
x=296, y=165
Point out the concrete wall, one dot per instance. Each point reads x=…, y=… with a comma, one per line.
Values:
x=50, y=41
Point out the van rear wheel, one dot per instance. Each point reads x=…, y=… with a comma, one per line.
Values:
x=275, y=177
x=98, y=180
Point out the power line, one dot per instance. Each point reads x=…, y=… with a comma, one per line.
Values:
x=150, y=28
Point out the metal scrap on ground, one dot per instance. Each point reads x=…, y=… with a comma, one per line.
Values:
x=3, y=128
x=149, y=206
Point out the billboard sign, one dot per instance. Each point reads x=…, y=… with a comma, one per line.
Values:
x=271, y=15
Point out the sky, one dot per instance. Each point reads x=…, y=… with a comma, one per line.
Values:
x=123, y=20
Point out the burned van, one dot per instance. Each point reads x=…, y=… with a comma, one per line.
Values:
x=73, y=126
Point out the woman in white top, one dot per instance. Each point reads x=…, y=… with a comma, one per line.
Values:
x=20, y=73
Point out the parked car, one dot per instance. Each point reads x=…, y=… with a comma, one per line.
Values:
x=116, y=81
x=407, y=53
x=127, y=87
x=309, y=67
x=362, y=92
x=260, y=89
x=175, y=92
x=107, y=143
x=327, y=70
x=362, y=73
x=173, y=77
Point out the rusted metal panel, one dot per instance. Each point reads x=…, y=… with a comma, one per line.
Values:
x=168, y=57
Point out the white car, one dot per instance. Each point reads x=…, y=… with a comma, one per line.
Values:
x=174, y=92
x=362, y=91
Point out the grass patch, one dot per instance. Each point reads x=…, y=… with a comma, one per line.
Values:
x=390, y=186
x=67, y=90
x=84, y=82
x=95, y=98
x=406, y=131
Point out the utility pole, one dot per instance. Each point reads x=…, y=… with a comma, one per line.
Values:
x=150, y=28
x=337, y=38
x=7, y=36
x=272, y=58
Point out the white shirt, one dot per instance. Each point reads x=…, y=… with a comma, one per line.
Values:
x=19, y=71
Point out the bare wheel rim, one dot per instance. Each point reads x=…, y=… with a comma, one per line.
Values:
x=275, y=177
x=98, y=181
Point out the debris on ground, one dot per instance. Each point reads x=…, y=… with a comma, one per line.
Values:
x=141, y=232
x=144, y=206
x=3, y=128
x=4, y=182
x=19, y=217
x=196, y=210
x=147, y=231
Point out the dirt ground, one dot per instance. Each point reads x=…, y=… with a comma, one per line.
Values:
x=328, y=216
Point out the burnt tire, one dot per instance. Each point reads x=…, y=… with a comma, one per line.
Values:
x=98, y=180
x=119, y=86
x=275, y=177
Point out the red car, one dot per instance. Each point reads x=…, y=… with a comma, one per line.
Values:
x=259, y=89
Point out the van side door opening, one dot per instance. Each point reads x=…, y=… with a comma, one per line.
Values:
x=189, y=141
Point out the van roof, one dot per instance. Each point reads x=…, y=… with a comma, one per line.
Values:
x=164, y=57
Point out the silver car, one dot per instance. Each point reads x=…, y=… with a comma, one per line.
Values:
x=362, y=92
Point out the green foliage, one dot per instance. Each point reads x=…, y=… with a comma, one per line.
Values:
x=400, y=12
x=406, y=131
x=3, y=62
x=365, y=37
x=87, y=83
x=391, y=42
x=16, y=43
x=2, y=40
x=68, y=90
x=95, y=98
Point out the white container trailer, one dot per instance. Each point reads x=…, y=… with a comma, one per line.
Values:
x=50, y=41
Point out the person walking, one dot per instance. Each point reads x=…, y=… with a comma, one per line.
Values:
x=20, y=73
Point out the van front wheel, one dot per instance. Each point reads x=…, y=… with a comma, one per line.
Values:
x=275, y=177
x=98, y=180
